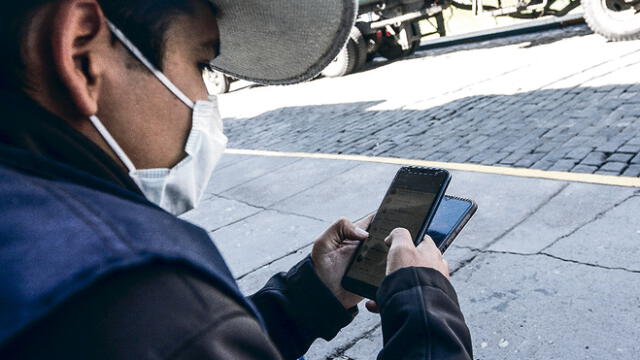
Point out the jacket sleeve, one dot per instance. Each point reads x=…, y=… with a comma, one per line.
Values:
x=298, y=308
x=421, y=317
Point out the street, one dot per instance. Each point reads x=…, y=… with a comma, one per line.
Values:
x=547, y=269
x=562, y=100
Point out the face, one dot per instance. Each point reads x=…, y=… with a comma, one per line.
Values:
x=146, y=119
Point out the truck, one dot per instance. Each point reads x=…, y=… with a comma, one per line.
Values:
x=392, y=28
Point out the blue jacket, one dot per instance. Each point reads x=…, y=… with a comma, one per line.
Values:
x=59, y=237
x=72, y=218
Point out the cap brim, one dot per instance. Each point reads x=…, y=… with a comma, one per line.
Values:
x=281, y=41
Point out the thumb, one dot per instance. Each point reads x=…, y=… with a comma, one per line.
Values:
x=428, y=245
x=351, y=231
x=399, y=238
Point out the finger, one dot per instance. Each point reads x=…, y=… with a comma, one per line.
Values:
x=366, y=221
x=399, y=237
x=428, y=246
x=351, y=231
x=372, y=306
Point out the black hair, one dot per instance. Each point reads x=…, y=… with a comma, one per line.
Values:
x=143, y=21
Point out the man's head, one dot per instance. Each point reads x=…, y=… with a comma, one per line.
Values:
x=71, y=57
x=74, y=67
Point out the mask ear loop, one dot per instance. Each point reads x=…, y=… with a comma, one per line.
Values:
x=112, y=143
x=157, y=73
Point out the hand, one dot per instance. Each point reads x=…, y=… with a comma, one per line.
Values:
x=332, y=252
x=403, y=253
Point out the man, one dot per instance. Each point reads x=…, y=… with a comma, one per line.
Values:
x=107, y=133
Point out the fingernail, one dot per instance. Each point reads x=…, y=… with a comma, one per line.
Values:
x=361, y=232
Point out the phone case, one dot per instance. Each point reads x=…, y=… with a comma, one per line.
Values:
x=438, y=201
x=450, y=219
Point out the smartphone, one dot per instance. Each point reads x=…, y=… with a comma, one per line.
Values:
x=451, y=217
x=410, y=203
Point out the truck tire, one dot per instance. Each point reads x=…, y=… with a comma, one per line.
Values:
x=612, y=19
x=350, y=58
x=341, y=64
x=390, y=49
x=361, y=48
x=415, y=28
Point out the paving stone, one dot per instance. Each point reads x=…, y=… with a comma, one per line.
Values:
x=629, y=149
x=542, y=165
x=595, y=158
x=621, y=158
x=611, y=240
x=636, y=159
x=528, y=160
x=563, y=165
x=606, y=172
x=613, y=166
x=513, y=305
x=586, y=169
x=579, y=153
x=633, y=141
x=577, y=203
x=632, y=170
x=512, y=159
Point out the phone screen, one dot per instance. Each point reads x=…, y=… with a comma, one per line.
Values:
x=409, y=204
x=452, y=215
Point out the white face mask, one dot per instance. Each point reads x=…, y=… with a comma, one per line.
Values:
x=179, y=189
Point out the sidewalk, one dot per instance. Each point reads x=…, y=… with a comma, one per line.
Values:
x=545, y=270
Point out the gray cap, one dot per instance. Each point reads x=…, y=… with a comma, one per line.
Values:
x=281, y=41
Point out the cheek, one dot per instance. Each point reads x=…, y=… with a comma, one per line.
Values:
x=150, y=123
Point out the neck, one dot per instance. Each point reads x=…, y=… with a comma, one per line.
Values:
x=26, y=125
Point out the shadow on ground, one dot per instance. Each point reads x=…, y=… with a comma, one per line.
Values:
x=582, y=129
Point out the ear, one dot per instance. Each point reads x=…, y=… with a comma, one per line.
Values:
x=79, y=37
